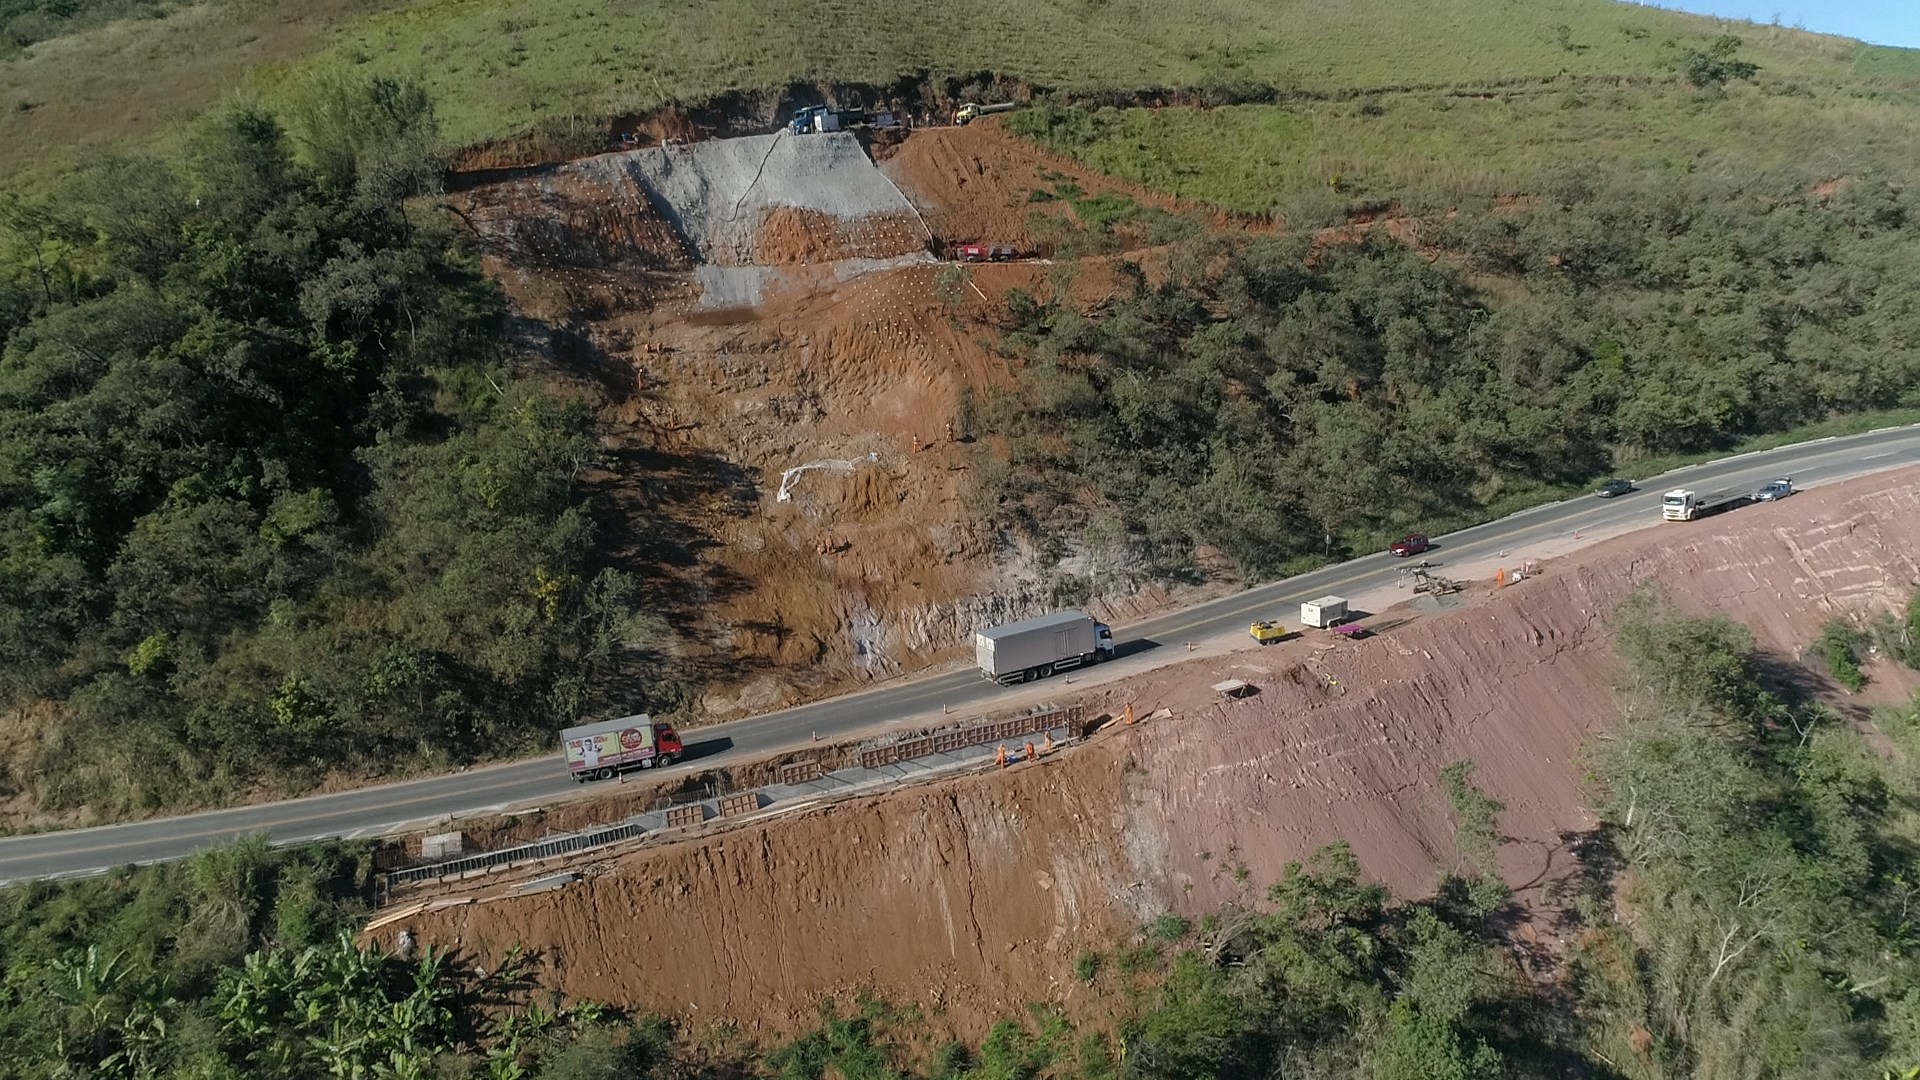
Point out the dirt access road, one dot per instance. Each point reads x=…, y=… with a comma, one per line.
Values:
x=971, y=897
x=1153, y=643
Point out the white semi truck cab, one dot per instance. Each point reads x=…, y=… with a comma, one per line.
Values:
x=1683, y=504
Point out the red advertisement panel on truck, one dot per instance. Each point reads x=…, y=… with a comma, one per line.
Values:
x=598, y=751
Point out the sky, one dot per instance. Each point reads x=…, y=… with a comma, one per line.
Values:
x=1883, y=22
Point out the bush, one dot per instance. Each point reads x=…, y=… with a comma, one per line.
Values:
x=1086, y=965
x=1170, y=928
x=1839, y=645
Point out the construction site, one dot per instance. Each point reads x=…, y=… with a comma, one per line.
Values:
x=786, y=334
x=787, y=348
x=967, y=889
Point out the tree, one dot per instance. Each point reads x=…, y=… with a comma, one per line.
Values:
x=1716, y=64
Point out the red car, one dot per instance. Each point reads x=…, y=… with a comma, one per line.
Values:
x=1412, y=545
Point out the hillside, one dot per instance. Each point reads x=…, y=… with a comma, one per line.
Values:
x=387, y=385
x=500, y=69
x=1399, y=286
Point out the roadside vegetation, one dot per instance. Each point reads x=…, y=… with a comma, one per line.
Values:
x=1772, y=872
x=270, y=504
x=1289, y=398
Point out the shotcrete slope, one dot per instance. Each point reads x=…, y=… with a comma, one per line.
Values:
x=719, y=192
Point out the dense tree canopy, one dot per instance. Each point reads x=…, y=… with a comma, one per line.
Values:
x=267, y=502
x=1279, y=397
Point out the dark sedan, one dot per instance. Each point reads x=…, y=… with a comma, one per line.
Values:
x=1614, y=487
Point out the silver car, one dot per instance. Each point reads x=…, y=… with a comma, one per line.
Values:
x=1775, y=491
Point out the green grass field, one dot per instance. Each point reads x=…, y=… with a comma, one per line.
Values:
x=498, y=67
x=1445, y=146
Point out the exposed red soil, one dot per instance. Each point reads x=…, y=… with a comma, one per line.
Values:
x=976, y=184
x=866, y=571
x=788, y=235
x=972, y=896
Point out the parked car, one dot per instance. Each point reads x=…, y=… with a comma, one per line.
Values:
x=1413, y=545
x=1778, y=489
x=1613, y=488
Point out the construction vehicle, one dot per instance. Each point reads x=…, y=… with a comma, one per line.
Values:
x=1324, y=613
x=1682, y=504
x=1426, y=582
x=1036, y=648
x=819, y=119
x=970, y=111
x=985, y=253
x=1266, y=633
x=599, y=751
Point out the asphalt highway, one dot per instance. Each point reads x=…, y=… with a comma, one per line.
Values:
x=370, y=811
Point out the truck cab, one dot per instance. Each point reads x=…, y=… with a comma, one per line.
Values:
x=1679, y=505
x=816, y=120
x=1103, y=641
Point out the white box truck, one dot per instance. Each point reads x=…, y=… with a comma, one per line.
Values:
x=1328, y=611
x=1036, y=648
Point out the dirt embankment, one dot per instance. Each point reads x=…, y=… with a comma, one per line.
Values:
x=761, y=317
x=971, y=897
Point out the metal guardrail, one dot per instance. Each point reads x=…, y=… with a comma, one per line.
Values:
x=542, y=849
x=940, y=742
x=890, y=749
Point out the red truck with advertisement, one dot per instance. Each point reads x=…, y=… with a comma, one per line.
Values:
x=598, y=751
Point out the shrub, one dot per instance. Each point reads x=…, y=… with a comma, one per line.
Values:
x=1839, y=645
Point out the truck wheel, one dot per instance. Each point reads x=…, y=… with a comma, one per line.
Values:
x=666, y=760
x=605, y=774
x=1045, y=670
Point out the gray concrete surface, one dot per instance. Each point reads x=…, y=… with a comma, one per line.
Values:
x=715, y=192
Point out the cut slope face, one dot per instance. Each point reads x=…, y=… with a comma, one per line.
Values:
x=751, y=307
x=821, y=195
x=972, y=897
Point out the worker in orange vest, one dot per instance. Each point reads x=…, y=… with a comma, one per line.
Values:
x=1032, y=754
x=1000, y=756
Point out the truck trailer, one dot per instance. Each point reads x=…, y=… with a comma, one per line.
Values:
x=599, y=751
x=1683, y=504
x=819, y=119
x=1036, y=648
x=1324, y=613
